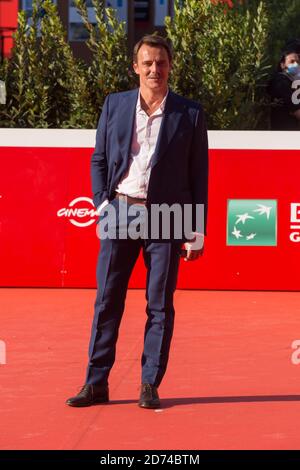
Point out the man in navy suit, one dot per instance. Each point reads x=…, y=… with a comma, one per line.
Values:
x=151, y=150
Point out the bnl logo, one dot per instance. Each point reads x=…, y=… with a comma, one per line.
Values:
x=252, y=222
x=2, y=353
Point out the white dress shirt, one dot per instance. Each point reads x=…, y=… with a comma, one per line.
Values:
x=144, y=138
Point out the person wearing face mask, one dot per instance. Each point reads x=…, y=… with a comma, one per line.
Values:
x=285, y=113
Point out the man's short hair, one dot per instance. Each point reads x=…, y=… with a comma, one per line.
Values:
x=153, y=40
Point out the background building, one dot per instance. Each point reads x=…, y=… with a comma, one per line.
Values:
x=8, y=23
x=141, y=17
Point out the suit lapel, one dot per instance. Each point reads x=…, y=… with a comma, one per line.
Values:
x=126, y=121
x=174, y=111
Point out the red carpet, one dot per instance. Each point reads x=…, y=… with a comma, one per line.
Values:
x=230, y=382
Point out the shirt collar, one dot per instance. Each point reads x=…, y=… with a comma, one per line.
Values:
x=161, y=107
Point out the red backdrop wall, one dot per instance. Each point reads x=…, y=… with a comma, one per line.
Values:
x=41, y=245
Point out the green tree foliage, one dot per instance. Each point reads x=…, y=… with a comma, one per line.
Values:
x=284, y=23
x=220, y=60
x=13, y=113
x=109, y=71
x=224, y=50
x=46, y=85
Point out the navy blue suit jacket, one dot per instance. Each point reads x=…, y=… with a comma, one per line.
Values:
x=179, y=167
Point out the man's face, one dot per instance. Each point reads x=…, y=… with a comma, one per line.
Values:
x=153, y=67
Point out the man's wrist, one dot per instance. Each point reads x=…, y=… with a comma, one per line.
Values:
x=196, y=241
x=102, y=205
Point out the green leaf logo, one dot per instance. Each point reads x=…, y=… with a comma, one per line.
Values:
x=252, y=222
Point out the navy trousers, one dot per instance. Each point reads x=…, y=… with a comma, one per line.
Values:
x=116, y=260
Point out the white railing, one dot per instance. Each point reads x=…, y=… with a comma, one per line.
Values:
x=85, y=138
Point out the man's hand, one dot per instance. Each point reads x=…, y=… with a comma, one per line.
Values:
x=194, y=248
x=191, y=255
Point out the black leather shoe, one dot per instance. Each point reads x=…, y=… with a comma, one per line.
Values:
x=149, y=397
x=89, y=395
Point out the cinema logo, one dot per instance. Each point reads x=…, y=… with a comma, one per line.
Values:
x=295, y=222
x=81, y=212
